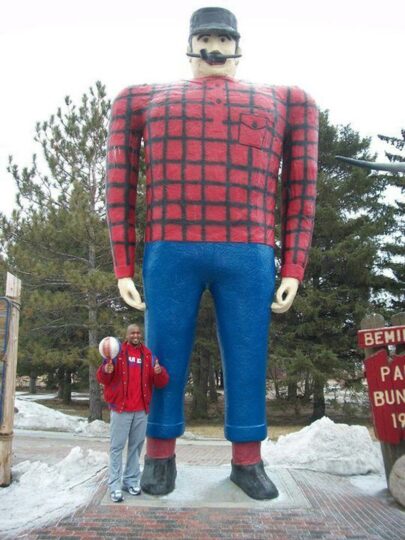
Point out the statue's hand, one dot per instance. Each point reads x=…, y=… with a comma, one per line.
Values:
x=130, y=294
x=285, y=295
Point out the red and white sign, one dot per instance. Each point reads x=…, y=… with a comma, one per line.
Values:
x=386, y=388
x=376, y=337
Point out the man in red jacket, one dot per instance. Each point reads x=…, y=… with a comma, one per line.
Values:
x=128, y=382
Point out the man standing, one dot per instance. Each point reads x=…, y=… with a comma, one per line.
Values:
x=213, y=148
x=128, y=383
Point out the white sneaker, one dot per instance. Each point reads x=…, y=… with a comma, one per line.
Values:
x=133, y=490
x=116, y=496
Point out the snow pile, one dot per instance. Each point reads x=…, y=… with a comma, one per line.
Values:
x=326, y=447
x=190, y=436
x=34, y=397
x=40, y=493
x=372, y=484
x=97, y=428
x=34, y=416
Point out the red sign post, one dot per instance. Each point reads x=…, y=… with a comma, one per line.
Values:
x=386, y=389
x=386, y=383
x=379, y=337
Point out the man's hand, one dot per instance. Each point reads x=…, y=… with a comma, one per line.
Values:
x=285, y=295
x=109, y=366
x=156, y=368
x=130, y=294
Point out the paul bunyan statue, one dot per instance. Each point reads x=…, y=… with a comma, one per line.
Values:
x=213, y=148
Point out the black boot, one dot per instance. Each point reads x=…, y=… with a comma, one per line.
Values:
x=253, y=480
x=159, y=475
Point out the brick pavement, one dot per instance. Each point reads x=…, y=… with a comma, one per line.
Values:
x=337, y=513
x=337, y=510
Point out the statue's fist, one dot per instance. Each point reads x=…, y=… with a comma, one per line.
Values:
x=130, y=294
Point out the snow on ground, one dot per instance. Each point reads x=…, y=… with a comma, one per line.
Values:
x=34, y=397
x=326, y=447
x=32, y=415
x=77, y=396
x=47, y=493
x=372, y=484
x=41, y=494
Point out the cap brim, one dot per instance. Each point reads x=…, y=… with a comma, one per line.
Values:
x=218, y=27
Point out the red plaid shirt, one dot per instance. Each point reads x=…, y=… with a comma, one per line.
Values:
x=213, y=148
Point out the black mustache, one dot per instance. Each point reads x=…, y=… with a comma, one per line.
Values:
x=213, y=57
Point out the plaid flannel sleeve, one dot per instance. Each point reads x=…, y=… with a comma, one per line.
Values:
x=299, y=174
x=123, y=150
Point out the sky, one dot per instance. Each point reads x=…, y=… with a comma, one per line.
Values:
x=64, y=486
x=347, y=54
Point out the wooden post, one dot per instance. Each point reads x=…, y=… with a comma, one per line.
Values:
x=399, y=320
x=13, y=293
x=390, y=452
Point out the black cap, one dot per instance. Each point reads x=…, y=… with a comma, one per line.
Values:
x=214, y=19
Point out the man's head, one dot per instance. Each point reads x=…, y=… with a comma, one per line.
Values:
x=134, y=334
x=213, y=43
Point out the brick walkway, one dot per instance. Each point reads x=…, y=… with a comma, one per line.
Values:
x=336, y=510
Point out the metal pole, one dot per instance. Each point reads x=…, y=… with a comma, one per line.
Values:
x=13, y=293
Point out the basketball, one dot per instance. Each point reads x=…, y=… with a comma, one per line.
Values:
x=109, y=347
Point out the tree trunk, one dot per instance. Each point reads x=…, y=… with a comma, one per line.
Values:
x=276, y=388
x=307, y=388
x=51, y=383
x=220, y=379
x=200, y=370
x=319, y=402
x=95, y=404
x=61, y=381
x=292, y=391
x=33, y=382
x=67, y=388
x=212, y=386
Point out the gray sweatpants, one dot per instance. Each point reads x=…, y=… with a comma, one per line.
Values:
x=131, y=427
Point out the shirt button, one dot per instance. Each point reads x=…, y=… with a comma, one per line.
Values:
x=219, y=100
x=254, y=124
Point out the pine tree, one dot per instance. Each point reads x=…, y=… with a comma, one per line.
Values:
x=395, y=247
x=57, y=241
x=315, y=340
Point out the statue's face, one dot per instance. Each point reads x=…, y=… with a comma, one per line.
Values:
x=215, y=42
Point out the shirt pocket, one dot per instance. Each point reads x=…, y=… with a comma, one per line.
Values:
x=254, y=130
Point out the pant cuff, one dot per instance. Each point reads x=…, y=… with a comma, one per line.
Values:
x=165, y=431
x=245, y=433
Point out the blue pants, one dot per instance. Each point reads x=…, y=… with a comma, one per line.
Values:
x=240, y=278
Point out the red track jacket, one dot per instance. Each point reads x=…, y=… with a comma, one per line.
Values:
x=116, y=383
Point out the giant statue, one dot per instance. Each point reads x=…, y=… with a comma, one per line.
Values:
x=213, y=149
